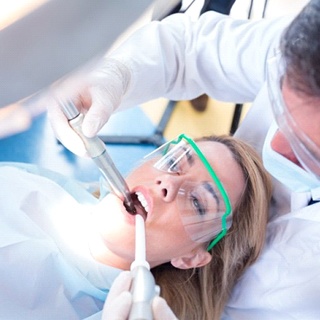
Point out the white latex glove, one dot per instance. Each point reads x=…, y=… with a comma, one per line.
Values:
x=161, y=310
x=118, y=304
x=97, y=95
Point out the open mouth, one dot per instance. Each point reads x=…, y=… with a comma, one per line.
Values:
x=140, y=204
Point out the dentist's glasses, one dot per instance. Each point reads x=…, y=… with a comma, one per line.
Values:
x=205, y=208
x=306, y=151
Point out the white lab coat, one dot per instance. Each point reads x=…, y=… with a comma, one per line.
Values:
x=181, y=59
x=227, y=60
x=46, y=270
x=284, y=283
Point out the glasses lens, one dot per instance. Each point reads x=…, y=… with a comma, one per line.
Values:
x=306, y=151
x=203, y=205
x=201, y=209
x=176, y=157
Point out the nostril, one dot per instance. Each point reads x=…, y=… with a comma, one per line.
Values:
x=163, y=189
x=164, y=192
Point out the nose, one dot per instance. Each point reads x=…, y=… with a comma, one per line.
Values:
x=281, y=145
x=168, y=186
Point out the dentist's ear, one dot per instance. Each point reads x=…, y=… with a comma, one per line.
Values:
x=199, y=257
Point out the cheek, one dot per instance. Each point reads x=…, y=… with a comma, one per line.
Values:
x=310, y=126
x=166, y=236
x=140, y=176
x=305, y=112
x=112, y=223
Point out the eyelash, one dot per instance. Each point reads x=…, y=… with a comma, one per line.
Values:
x=175, y=167
x=199, y=208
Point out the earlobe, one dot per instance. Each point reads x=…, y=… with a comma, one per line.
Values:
x=192, y=260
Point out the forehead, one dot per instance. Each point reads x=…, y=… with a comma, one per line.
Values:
x=218, y=155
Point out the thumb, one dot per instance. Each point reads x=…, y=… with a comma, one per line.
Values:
x=119, y=309
x=63, y=132
x=161, y=310
x=98, y=113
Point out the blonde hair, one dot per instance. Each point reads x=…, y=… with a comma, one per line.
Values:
x=201, y=293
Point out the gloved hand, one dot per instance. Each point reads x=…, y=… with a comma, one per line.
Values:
x=96, y=96
x=161, y=310
x=118, y=304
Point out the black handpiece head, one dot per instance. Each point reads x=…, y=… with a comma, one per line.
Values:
x=130, y=207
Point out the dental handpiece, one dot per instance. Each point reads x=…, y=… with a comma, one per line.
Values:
x=143, y=287
x=97, y=151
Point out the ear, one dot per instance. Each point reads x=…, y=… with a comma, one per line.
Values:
x=197, y=258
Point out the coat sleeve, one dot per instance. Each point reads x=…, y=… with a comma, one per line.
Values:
x=178, y=58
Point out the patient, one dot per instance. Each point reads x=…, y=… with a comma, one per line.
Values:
x=206, y=209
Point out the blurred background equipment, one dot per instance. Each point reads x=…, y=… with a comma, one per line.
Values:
x=56, y=37
x=25, y=134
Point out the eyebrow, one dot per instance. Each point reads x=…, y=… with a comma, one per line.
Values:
x=211, y=190
x=188, y=153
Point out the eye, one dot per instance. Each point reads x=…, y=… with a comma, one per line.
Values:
x=197, y=205
x=173, y=165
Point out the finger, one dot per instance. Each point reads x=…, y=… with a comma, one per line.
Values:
x=120, y=284
x=161, y=310
x=119, y=308
x=98, y=114
x=64, y=133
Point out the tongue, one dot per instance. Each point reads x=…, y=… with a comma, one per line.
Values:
x=132, y=210
x=139, y=209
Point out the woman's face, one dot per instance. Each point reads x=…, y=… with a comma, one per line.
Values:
x=166, y=237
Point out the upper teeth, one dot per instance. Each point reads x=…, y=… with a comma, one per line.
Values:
x=143, y=201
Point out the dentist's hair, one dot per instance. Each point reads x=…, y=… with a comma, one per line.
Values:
x=300, y=47
x=201, y=293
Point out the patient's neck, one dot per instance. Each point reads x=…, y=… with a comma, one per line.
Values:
x=102, y=254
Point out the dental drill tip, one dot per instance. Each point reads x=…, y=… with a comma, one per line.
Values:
x=130, y=207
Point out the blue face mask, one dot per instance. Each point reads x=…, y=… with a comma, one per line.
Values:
x=292, y=176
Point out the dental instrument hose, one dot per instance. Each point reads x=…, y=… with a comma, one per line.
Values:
x=143, y=287
x=97, y=151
